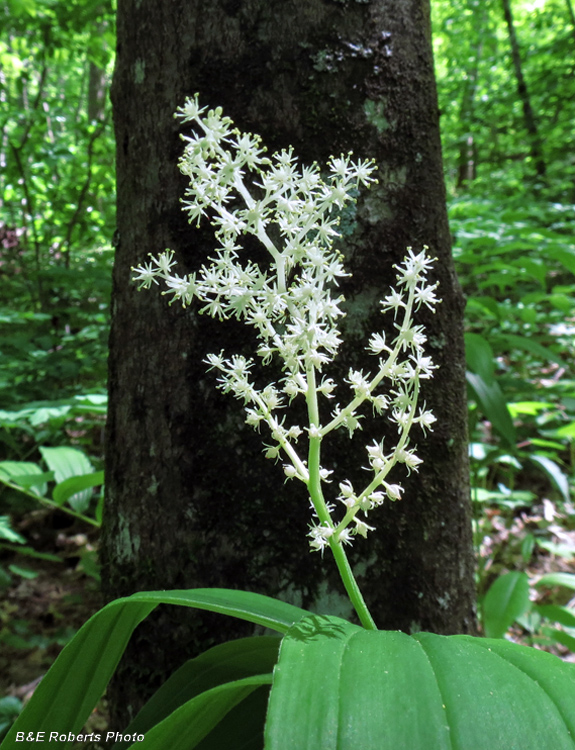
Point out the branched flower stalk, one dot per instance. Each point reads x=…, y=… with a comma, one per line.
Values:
x=293, y=305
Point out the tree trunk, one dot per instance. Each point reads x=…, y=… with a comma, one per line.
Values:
x=571, y=17
x=535, y=145
x=96, y=93
x=191, y=502
x=467, y=162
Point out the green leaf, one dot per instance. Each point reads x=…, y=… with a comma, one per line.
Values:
x=339, y=687
x=528, y=407
x=557, y=477
x=514, y=499
x=245, y=723
x=562, y=615
x=190, y=723
x=566, y=551
x=506, y=600
x=564, y=256
x=69, y=462
x=557, y=579
x=245, y=657
x=560, y=636
x=510, y=341
x=11, y=471
x=8, y=533
x=75, y=682
x=29, y=481
x=23, y=572
x=479, y=356
x=70, y=488
x=567, y=431
x=484, y=305
x=66, y=462
x=493, y=405
x=527, y=547
x=45, y=414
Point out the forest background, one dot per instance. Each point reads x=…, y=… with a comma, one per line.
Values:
x=506, y=84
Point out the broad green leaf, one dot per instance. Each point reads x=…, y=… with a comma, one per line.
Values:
x=70, y=489
x=527, y=546
x=340, y=687
x=492, y=403
x=75, y=682
x=553, y=471
x=514, y=499
x=479, y=356
x=564, y=257
x=69, y=462
x=528, y=407
x=567, y=431
x=535, y=267
x=245, y=657
x=11, y=471
x=29, y=481
x=78, y=677
x=506, y=600
x=562, y=302
x=560, y=636
x=188, y=725
x=245, y=723
x=557, y=579
x=484, y=305
x=564, y=550
x=45, y=414
x=562, y=615
x=66, y=462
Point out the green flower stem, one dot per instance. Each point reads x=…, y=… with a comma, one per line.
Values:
x=351, y=586
x=322, y=511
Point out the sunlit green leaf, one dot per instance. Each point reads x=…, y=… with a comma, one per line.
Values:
x=557, y=579
x=66, y=463
x=554, y=472
x=11, y=471
x=69, y=489
x=339, y=687
x=506, y=599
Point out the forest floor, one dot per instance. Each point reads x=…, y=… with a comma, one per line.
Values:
x=41, y=610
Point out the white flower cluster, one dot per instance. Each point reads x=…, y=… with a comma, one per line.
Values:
x=293, y=212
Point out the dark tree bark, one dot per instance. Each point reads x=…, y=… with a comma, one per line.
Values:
x=191, y=502
x=535, y=144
